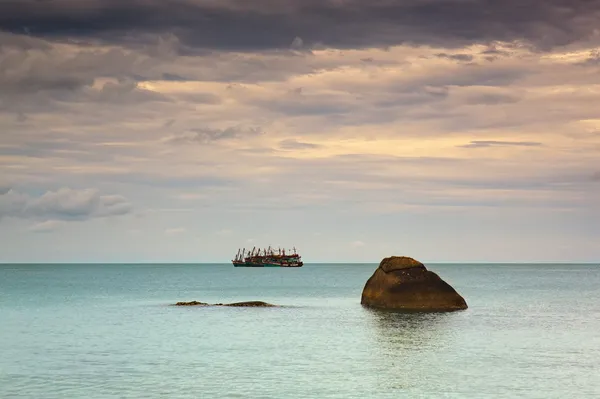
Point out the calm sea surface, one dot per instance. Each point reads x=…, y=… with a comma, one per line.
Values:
x=106, y=331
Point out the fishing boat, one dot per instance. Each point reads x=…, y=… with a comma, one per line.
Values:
x=268, y=257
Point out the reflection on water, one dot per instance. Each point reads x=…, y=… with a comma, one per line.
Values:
x=401, y=332
x=404, y=343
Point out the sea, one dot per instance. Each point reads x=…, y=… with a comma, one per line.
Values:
x=109, y=331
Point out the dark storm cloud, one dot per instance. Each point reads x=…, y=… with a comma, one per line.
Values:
x=491, y=143
x=265, y=24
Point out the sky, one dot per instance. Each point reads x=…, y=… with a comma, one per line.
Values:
x=182, y=130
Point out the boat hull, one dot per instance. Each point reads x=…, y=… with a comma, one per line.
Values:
x=266, y=258
x=265, y=265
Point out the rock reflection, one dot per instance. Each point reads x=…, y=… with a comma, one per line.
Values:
x=409, y=332
x=406, y=347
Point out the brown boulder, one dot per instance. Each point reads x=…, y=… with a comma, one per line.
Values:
x=404, y=284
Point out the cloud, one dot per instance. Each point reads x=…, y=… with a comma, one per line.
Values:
x=200, y=98
x=123, y=91
x=492, y=98
x=292, y=144
x=593, y=59
x=190, y=196
x=58, y=68
x=296, y=114
x=455, y=57
x=22, y=42
x=65, y=204
x=55, y=73
x=235, y=24
x=46, y=226
x=494, y=143
x=210, y=135
x=297, y=43
x=175, y=230
x=596, y=176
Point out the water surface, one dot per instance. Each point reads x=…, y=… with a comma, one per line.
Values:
x=106, y=331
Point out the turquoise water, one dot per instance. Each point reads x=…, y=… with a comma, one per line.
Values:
x=106, y=331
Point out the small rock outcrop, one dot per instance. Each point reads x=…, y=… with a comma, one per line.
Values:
x=253, y=304
x=192, y=303
x=404, y=284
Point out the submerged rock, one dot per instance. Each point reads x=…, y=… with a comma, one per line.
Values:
x=192, y=303
x=254, y=304
x=404, y=284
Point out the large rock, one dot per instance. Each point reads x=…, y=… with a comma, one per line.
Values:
x=404, y=284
